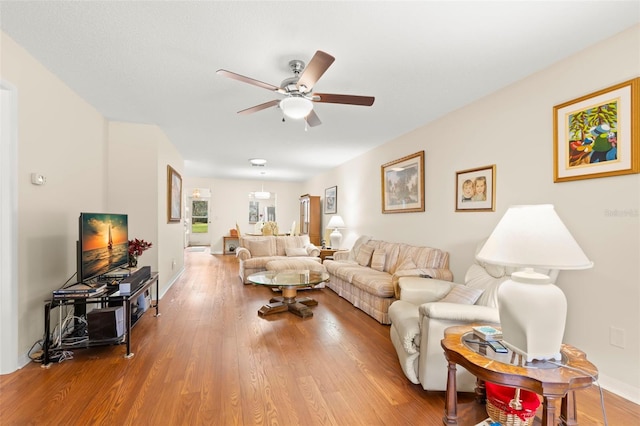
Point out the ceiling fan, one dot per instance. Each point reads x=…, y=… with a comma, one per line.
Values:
x=299, y=98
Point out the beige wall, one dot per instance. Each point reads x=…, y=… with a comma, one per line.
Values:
x=90, y=166
x=138, y=159
x=513, y=129
x=54, y=125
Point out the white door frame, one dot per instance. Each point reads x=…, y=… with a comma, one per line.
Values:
x=200, y=239
x=8, y=228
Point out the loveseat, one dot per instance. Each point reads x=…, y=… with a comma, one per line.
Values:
x=256, y=251
x=367, y=275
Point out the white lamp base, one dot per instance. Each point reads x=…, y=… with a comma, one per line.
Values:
x=336, y=239
x=533, y=313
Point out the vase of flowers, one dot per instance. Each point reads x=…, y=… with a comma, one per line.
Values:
x=136, y=248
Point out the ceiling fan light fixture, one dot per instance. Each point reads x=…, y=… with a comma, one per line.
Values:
x=257, y=161
x=296, y=107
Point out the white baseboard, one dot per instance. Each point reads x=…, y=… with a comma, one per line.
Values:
x=623, y=390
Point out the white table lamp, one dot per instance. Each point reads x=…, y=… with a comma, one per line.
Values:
x=335, y=223
x=533, y=311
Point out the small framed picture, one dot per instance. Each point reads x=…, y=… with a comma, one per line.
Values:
x=174, y=195
x=403, y=184
x=476, y=189
x=331, y=200
x=598, y=135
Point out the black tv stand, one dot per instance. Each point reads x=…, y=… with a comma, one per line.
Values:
x=111, y=297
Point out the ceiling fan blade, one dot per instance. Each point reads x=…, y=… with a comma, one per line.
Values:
x=244, y=79
x=312, y=119
x=259, y=107
x=343, y=99
x=320, y=62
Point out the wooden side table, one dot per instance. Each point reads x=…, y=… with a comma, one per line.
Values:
x=230, y=244
x=326, y=252
x=551, y=381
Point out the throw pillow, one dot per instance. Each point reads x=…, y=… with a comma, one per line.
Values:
x=364, y=255
x=377, y=259
x=259, y=248
x=463, y=295
x=295, y=251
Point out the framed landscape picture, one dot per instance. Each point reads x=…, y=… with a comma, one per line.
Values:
x=598, y=135
x=174, y=195
x=403, y=184
x=476, y=189
x=331, y=200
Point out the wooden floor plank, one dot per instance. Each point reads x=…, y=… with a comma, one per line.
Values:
x=209, y=358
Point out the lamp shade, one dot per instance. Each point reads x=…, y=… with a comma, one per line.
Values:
x=296, y=107
x=335, y=222
x=533, y=236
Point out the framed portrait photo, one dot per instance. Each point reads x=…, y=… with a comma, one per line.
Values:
x=174, y=195
x=476, y=189
x=403, y=184
x=598, y=135
x=331, y=200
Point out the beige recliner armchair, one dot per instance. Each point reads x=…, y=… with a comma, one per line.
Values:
x=426, y=307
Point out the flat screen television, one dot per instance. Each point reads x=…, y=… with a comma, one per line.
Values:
x=103, y=244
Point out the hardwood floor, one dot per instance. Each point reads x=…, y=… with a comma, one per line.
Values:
x=210, y=359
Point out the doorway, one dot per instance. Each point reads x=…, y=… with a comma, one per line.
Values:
x=200, y=232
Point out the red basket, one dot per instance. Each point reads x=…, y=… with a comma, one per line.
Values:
x=511, y=406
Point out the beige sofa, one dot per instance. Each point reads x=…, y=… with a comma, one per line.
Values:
x=256, y=251
x=368, y=274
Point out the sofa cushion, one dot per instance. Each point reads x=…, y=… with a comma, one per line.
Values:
x=423, y=257
x=295, y=251
x=364, y=255
x=391, y=254
x=284, y=264
x=345, y=270
x=477, y=277
x=282, y=242
x=406, y=264
x=462, y=294
x=259, y=247
x=377, y=259
x=374, y=282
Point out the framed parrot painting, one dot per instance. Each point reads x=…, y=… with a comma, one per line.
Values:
x=598, y=135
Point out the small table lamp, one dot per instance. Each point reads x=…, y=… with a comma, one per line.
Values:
x=335, y=223
x=533, y=311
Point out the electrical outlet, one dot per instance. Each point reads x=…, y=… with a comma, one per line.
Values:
x=173, y=264
x=616, y=337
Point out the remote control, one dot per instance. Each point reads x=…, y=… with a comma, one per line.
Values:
x=497, y=346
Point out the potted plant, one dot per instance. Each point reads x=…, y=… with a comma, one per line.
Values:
x=136, y=248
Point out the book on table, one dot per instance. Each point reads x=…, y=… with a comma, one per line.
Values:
x=487, y=332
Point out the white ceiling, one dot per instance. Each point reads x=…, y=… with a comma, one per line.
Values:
x=155, y=61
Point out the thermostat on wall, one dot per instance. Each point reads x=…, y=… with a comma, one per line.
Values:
x=38, y=179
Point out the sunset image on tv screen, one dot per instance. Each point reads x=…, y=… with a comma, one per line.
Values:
x=105, y=242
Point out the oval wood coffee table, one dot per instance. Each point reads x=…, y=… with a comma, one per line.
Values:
x=554, y=382
x=289, y=282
